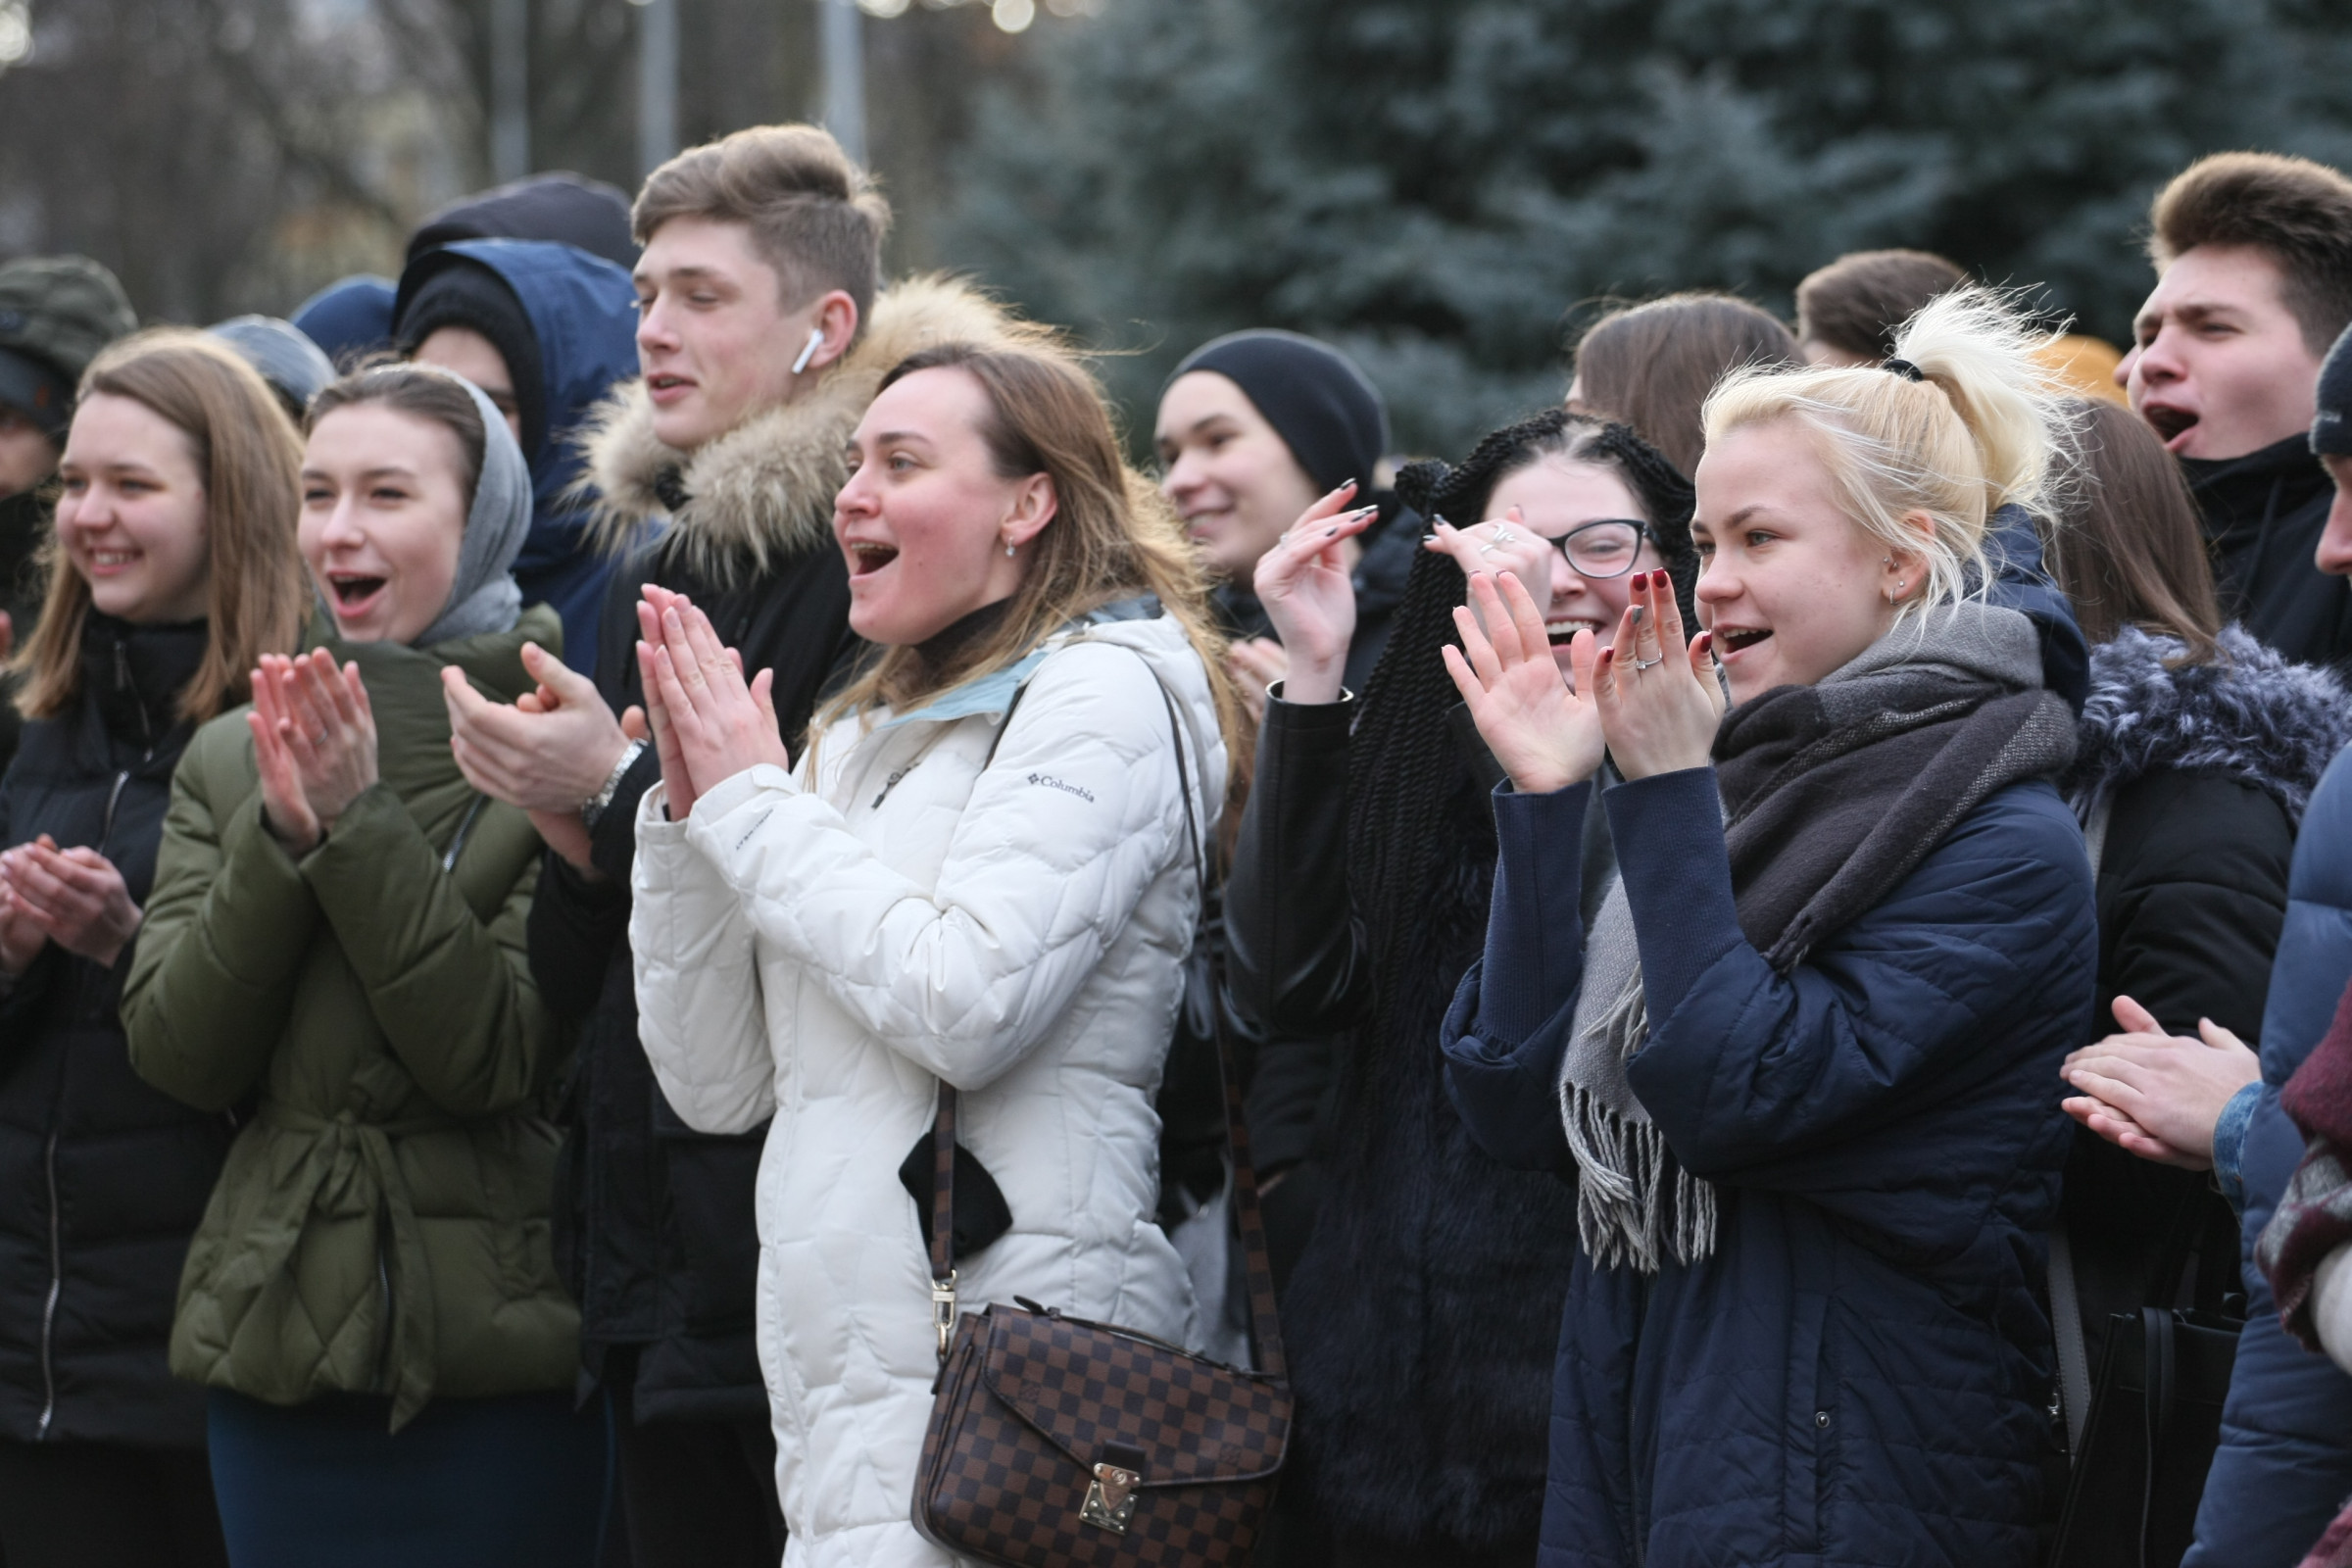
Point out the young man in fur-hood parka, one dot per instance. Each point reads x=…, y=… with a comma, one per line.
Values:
x=762, y=336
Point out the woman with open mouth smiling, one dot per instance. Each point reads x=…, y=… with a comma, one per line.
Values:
x=1426, y=1302
x=336, y=940
x=1800, y=1064
x=971, y=895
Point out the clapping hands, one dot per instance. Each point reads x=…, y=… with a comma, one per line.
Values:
x=709, y=724
x=313, y=742
x=74, y=898
x=1660, y=702
x=1653, y=714
x=1545, y=736
x=2156, y=1094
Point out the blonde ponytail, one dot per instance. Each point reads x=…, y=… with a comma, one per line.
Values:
x=1979, y=428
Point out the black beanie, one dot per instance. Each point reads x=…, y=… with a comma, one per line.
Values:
x=1315, y=397
x=448, y=290
x=2332, y=425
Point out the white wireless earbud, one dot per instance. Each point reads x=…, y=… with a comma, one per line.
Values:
x=816, y=341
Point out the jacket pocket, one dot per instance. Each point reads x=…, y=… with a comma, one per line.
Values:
x=1811, y=1422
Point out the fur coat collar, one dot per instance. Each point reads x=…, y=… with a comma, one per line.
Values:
x=765, y=488
x=2249, y=713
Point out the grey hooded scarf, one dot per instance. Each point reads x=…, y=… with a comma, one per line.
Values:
x=1831, y=795
x=483, y=598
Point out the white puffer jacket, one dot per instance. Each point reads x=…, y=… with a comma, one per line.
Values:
x=826, y=945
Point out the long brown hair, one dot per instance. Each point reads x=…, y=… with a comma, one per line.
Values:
x=251, y=459
x=2129, y=550
x=1651, y=365
x=1112, y=535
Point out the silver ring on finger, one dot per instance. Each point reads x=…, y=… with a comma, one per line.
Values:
x=1503, y=535
x=1488, y=548
x=1640, y=664
x=318, y=739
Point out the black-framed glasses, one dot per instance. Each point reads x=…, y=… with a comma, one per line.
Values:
x=1606, y=547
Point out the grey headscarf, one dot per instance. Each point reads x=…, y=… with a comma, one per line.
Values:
x=483, y=597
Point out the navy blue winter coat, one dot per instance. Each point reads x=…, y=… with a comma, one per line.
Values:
x=1861, y=1372
x=2284, y=1466
x=583, y=312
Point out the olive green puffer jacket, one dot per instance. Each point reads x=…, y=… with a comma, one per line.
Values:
x=381, y=1225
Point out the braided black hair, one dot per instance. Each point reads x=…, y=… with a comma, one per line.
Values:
x=1415, y=822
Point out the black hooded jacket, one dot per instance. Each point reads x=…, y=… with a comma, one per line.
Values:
x=2195, y=781
x=102, y=1178
x=2264, y=513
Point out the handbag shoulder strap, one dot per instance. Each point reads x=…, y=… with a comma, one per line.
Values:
x=1266, y=1325
x=2074, y=1354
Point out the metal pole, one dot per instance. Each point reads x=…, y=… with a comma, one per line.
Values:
x=845, y=76
x=657, y=83
x=509, y=89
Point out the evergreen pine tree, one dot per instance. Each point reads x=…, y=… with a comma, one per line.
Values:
x=1445, y=187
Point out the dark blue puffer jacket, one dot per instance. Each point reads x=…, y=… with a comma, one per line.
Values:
x=583, y=312
x=1861, y=1373
x=2284, y=1466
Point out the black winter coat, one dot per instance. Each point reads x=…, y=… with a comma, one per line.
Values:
x=102, y=1178
x=1290, y=1076
x=2264, y=513
x=654, y=1226
x=2201, y=776
x=1423, y=1317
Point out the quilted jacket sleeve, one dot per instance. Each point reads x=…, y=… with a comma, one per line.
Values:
x=699, y=1008
x=1511, y=1015
x=2285, y=1457
x=1843, y=1080
x=1073, y=819
x=211, y=974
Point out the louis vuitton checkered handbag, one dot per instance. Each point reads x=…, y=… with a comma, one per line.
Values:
x=1056, y=1443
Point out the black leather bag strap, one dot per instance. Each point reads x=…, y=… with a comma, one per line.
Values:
x=2074, y=1354
x=2157, y=1376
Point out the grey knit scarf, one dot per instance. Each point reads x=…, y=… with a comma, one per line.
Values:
x=1831, y=795
x=483, y=597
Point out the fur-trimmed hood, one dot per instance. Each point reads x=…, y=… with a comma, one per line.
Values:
x=2249, y=713
x=765, y=488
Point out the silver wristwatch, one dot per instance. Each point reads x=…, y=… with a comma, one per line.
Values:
x=592, y=808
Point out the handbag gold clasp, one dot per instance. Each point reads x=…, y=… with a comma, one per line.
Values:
x=943, y=1310
x=1110, y=1498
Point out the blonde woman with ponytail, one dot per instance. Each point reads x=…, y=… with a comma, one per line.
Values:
x=1800, y=1064
x=983, y=874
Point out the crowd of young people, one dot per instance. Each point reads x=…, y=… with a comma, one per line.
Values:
x=1769, y=906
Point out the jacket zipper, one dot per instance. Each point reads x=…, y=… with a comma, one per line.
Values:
x=57, y=1279
x=57, y=1247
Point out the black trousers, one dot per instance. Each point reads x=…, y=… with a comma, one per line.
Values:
x=106, y=1505
x=694, y=1494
